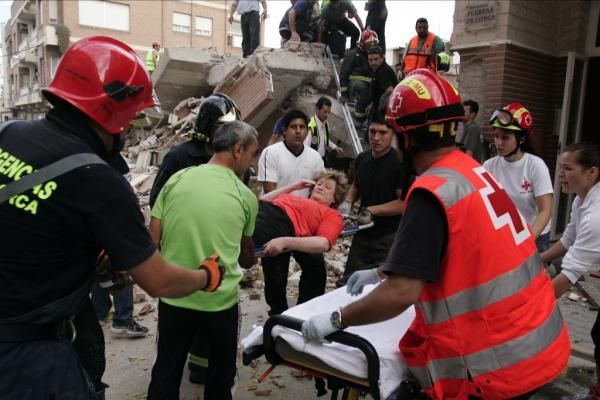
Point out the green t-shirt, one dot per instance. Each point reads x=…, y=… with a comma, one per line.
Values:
x=205, y=210
x=438, y=45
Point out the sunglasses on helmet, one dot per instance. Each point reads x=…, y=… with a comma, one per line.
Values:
x=504, y=118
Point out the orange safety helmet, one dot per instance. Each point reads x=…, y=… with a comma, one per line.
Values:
x=513, y=116
x=105, y=79
x=369, y=37
x=423, y=98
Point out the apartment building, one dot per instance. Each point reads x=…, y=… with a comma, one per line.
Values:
x=40, y=30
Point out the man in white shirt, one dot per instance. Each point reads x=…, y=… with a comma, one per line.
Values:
x=250, y=22
x=319, y=130
x=279, y=165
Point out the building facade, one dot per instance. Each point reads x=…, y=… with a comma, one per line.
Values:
x=39, y=31
x=542, y=53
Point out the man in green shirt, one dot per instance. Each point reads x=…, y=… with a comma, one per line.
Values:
x=201, y=211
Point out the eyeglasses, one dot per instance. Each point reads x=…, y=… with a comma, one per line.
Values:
x=504, y=118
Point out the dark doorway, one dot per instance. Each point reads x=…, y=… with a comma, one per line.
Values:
x=590, y=132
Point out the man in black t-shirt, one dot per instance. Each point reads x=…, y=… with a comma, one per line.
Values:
x=378, y=180
x=384, y=81
x=52, y=231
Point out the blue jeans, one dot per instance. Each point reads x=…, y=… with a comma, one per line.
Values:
x=543, y=242
x=123, y=302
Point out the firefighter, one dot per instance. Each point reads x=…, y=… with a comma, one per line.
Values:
x=355, y=75
x=487, y=324
x=56, y=220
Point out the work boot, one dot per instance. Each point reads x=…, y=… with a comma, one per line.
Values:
x=132, y=329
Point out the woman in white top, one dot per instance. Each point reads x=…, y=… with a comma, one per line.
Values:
x=524, y=176
x=580, y=243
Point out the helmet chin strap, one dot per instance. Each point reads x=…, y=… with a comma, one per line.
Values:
x=518, y=136
x=408, y=156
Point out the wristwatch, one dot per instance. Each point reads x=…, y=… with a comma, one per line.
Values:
x=336, y=319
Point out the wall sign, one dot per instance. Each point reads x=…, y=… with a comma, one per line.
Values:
x=481, y=16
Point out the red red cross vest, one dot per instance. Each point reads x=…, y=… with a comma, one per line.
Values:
x=491, y=326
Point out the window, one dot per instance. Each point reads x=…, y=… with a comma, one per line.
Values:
x=104, y=14
x=52, y=11
x=182, y=22
x=235, y=33
x=203, y=26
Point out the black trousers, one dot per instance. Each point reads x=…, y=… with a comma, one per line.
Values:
x=250, y=32
x=362, y=92
x=369, y=248
x=312, y=280
x=89, y=345
x=346, y=26
x=177, y=328
x=43, y=369
x=307, y=31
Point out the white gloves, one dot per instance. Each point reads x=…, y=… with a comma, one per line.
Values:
x=316, y=328
x=360, y=279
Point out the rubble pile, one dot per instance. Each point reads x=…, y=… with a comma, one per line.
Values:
x=257, y=84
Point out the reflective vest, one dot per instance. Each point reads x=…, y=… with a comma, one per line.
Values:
x=150, y=66
x=315, y=140
x=491, y=327
x=424, y=58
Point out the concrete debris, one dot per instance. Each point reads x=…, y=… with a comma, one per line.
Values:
x=184, y=77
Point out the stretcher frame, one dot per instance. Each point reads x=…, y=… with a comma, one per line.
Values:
x=278, y=352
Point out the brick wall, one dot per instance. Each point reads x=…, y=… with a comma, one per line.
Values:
x=497, y=75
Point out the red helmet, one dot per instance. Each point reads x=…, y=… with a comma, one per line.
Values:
x=369, y=37
x=423, y=98
x=155, y=43
x=105, y=79
x=514, y=117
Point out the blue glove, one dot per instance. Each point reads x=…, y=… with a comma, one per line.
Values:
x=360, y=279
x=316, y=328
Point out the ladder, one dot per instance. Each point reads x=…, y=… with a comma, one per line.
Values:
x=354, y=139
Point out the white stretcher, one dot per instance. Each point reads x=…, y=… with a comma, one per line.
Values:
x=372, y=363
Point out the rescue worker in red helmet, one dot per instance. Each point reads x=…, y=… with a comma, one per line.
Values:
x=356, y=75
x=523, y=174
x=55, y=220
x=487, y=325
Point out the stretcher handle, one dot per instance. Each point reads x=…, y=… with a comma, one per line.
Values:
x=345, y=338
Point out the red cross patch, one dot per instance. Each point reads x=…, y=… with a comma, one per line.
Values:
x=501, y=208
x=526, y=185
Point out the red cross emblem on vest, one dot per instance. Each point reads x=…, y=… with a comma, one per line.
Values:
x=501, y=208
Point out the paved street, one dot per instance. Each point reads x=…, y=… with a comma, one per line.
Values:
x=130, y=360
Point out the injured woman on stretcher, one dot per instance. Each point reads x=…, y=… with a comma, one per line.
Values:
x=288, y=222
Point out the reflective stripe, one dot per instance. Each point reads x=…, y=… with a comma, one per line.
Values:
x=479, y=297
x=360, y=78
x=489, y=360
x=454, y=189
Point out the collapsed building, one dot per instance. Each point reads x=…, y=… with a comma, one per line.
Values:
x=301, y=72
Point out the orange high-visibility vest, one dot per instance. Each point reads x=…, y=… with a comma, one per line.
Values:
x=491, y=327
x=423, y=58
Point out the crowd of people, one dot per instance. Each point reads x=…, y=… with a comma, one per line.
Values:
x=464, y=242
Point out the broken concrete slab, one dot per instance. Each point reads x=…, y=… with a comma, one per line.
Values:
x=183, y=73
